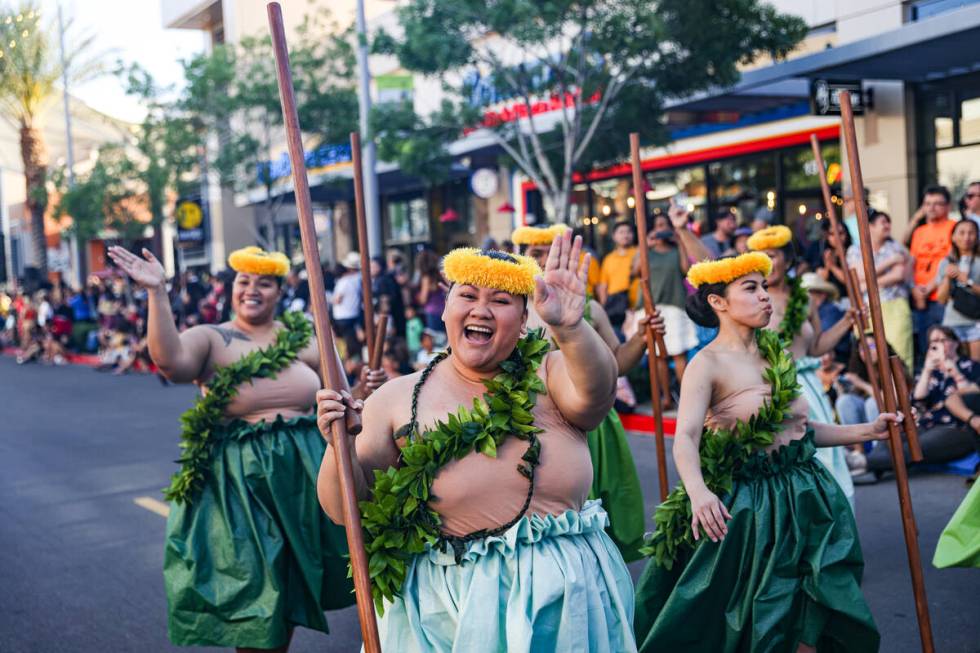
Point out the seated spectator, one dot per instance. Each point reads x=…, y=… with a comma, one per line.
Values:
x=427, y=349
x=946, y=397
x=891, y=262
x=959, y=286
x=823, y=298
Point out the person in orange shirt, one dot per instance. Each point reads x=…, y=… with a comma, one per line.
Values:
x=617, y=291
x=930, y=244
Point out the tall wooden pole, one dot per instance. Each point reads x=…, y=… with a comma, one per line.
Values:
x=853, y=290
x=866, y=351
x=362, y=239
x=329, y=365
x=884, y=373
x=655, y=344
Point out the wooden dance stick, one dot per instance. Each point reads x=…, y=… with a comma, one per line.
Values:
x=884, y=371
x=850, y=284
x=863, y=344
x=329, y=364
x=379, y=342
x=362, y=240
x=656, y=350
x=902, y=390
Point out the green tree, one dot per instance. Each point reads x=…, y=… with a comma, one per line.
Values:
x=608, y=65
x=30, y=69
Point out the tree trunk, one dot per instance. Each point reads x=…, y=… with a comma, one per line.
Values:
x=34, y=157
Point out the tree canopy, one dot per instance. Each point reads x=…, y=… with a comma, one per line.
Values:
x=603, y=67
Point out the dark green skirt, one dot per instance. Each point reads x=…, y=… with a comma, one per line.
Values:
x=616, y=483
x=253, y=555
x=789, y=570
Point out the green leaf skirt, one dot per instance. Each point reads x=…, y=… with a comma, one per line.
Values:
x=616, y=483
x=788, y=571
x=253, y=555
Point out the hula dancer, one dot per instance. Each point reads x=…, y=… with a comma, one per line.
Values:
x=614, y=478
x=474, y=473
x=798, y=326
x=756, y=551
x=249, y=556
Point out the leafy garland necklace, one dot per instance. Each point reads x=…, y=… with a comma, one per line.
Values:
x=722, y=451
x=796, y=312
x=397, y=521
x=198, y=422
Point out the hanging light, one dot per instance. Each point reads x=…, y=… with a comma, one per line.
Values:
x=606, y=209
x=630, y=201
x=802, y=209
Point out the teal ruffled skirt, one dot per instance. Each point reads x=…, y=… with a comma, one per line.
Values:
x=788, y=571
x=253, y=555
x=833, y=458
x=616, y=483
x=551, y=583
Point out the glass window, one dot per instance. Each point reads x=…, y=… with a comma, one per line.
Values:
x=685, y=185
x=800, y=168
x=747, y=185
x=970, y=120
x=936, y=126
x=408, y=220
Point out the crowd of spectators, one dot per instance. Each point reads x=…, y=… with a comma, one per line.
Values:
x=929, y=281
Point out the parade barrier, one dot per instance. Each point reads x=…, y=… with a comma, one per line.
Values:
x=885, y=377
x=656, y=349
x=329, y=364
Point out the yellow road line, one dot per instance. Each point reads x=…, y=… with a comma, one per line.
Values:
x=153, y=505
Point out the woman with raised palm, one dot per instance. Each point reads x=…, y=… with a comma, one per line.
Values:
x=797, y=323
x=474, y=473
x=614, y=478
x=248, y=555
x=756, y=551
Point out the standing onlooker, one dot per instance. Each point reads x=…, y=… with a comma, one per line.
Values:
x=971, y=202
x=740, y=240
x=719, y=240
x=959, y=286
x=295, y=292
x=347, y=298
x=431, y=296
x=617, y=291
x=821, y=255
x=891, y=268
x=823, y=299
x=930, y=244
x=669, y=257
x=387, y=294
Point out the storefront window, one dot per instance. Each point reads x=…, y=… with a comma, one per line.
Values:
x=747, y=185
x=949, y=133
x=408, y=220
x=970, y=120
x=685, y=185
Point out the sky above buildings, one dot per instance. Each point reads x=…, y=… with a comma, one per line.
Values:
x=129, y=30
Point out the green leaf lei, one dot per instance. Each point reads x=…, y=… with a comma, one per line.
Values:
x=722, y=451
x=397, y=521
x=797, y=308
x=207, y=413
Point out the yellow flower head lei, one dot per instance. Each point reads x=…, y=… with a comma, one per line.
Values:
x=726, y=270
x=769, y=238
x=253, y=260
x=511, y=273
x=536, y=236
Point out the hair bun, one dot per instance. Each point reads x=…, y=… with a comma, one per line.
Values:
x=699, y=310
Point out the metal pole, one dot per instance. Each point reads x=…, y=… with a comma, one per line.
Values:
x=77, y=245
x=372, y=205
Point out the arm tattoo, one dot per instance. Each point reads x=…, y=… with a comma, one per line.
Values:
x=230, y=334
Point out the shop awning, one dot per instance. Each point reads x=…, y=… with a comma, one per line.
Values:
x=936, y=48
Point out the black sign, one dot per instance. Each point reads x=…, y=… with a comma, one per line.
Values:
x=825, y=97
x=189, y=216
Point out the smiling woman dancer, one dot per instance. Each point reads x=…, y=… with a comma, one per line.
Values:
x=475, y=472
x=798, y=325
x=757, y=550
x=614, y=477
x=249, y=556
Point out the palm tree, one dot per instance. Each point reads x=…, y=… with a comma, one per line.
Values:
x=30, y=69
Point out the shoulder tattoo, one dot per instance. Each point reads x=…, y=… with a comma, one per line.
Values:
x=230, y=334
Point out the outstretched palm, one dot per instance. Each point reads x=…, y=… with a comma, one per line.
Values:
x=148, y=272
x=559, y=295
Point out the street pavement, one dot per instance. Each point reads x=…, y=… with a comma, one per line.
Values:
x=83, y=457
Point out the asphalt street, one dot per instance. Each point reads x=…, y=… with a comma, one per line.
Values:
x=83, y=457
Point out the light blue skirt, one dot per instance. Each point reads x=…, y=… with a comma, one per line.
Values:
x=552, y=583
x=833, y=458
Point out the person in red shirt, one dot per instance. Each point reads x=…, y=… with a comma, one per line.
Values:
x=930, y=244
